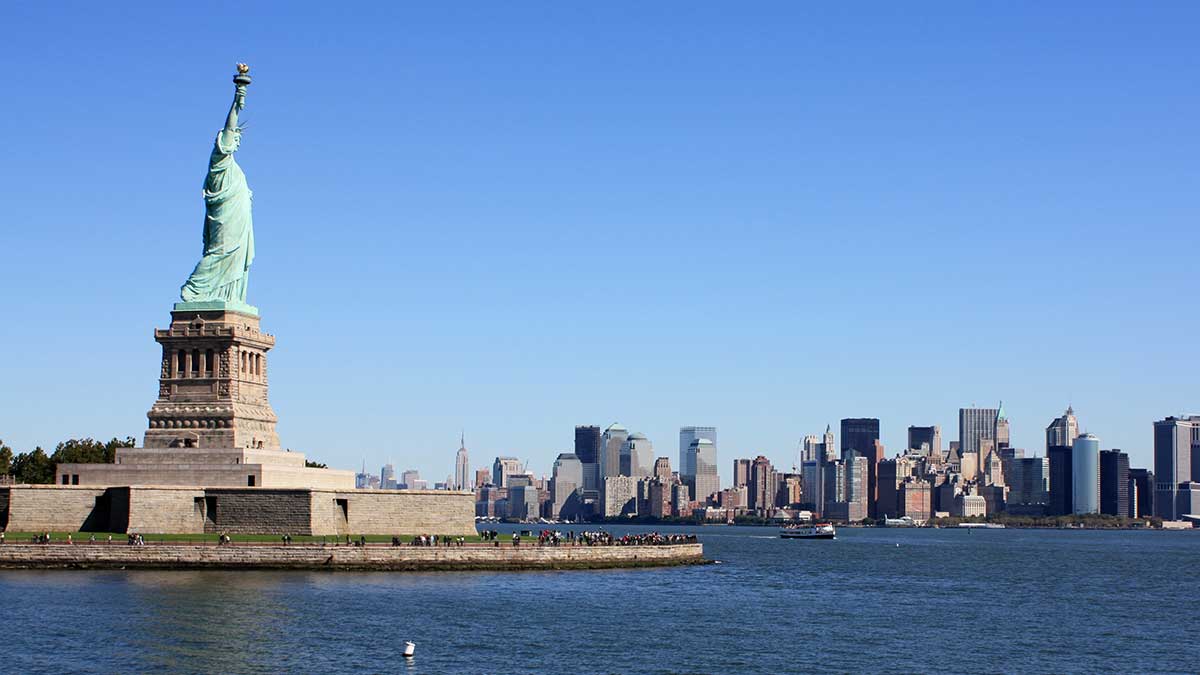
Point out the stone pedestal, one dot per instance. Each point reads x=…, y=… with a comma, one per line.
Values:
x=212, y=387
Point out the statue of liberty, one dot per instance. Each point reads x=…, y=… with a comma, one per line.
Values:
x=219, y=279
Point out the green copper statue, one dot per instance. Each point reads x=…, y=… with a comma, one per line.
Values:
x=219, y=280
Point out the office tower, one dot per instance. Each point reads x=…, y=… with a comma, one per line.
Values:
x=409, y=479
x=387, y=477
x=1063, y=430
x=974, y=425
x=503, y=469
x=831, y=448
x=686, y=436
x=810, y=475
x=1141, y=493
x=706, y=482
x=861, y=436
x=833, y=486
x=811, y=449
x=362, y=479
x=891, y=475
x=680, y=501
x=662, y=468
x=587, y=449
x=1187, y=499
x=523, y=503
x=610, y=451
x=462, y=467
x=660, y=498
x=1061, y=500
x=1085, y=473
x=761, y=485
x=741, y=472
x=1002, y=434
x=482, y=477
x=565, y=483
x=1029, y=481
x=925, y=441
x=1114, y=483
x=1176, y=460
x=637, y=456
x=857, y=488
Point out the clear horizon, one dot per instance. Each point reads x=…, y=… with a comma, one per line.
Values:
x=512, y=220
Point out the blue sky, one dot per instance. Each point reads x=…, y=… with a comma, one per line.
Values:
x=511, y=219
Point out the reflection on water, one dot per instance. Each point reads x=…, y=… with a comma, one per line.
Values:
x=1034, y=600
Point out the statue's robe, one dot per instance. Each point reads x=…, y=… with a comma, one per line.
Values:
x=228, y=233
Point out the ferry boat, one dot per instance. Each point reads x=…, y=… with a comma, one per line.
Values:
x=815, y=531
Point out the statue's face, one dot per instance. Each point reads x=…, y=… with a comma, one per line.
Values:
x=237, y=140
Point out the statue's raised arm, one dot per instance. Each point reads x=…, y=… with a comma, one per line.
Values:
x=221, y=275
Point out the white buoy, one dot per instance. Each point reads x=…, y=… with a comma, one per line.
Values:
x=409, y=648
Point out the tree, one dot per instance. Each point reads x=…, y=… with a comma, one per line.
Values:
x=89, y=451
x=6, y=457
x=33, y=467
x=315, y=465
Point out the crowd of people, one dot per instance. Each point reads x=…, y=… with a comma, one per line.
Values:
x=433, y=540
x=602, y=538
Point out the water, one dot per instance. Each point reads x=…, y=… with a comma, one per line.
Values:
x=949, y=601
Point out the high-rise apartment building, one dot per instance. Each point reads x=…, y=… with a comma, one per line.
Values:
x=587, y=449
x=620, y=496
x=482, y=477
x=926, y=441
x=857, y=489
x=1063, y=430
x=662, y=468
x=762, y=485
x=1085, y=473
x=1176, y=460
x=741, y=472
x=1114, y=483
x=462, y=466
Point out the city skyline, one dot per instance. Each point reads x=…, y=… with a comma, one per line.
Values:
x=796, y=216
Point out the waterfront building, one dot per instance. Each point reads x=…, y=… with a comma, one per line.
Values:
x=566, y=483
x=705, y=482
x=762, y=484
x=810, y=475
x=861, y=436
x=1141, y=493
x=687, y=436
x=1029, y=482
x=733, y=498
x=1061, y=500
x=1062, y=431
x=891, y=474
x=620, y=496
x=1114, y=483
x=993, y=497
x=858, y=493
x=741, y=472
x=833, y=487
x=637, y=456
x=504, y=469
x=1187, y=499
x=925, y=441
x=1085, y=474
x=916, y=499
x=974, y=425
x=462, y=467
x=790, y=490
x=587, y=449
x=1176, y=460
x=611, y=441
x=971, y=505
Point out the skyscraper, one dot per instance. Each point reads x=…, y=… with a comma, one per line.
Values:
x=637, y=456
x=504, y=467
x=860, y=436
x=610, y=451
x=1176, y=460
x=762, y=484
x=705, y=482
x=687, y=463
x=387, y=477
x=1114, y=483
x=975, y=425
x=1061, y=501
x=1002, y=435
x=857, y=491
x=1029, y=481
x=411, y=479
x=1141, y=493
x=587, y=449
x=565, y=483
x=741, y=472
x=662, y=468
x=1063, y=430
x=462, y=467
x=925, y=440
x=1085, y=473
